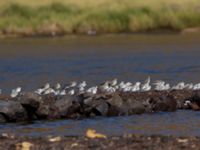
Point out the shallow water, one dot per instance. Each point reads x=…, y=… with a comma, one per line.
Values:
x=32, y=62
x=181, y=123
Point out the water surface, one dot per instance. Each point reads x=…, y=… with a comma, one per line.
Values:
x=180, y=123
x=32, y=62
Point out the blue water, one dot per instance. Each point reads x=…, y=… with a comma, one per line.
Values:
x=180, y=123
x=32, y=62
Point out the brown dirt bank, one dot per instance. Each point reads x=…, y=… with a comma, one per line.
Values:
x=55, y=30
x=122, y=143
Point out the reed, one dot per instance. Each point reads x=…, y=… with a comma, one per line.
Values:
x=114, y=16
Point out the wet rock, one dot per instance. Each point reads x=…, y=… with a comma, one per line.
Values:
x=181, y=96
x=115, y=100
x=30, y=101
x=101, y=109
x=116, y=105
x=163, y=103
x=196, y=98
x=194, y=106
x=2, y=118
x=61, y=107
x=12, y=111
x=114, y=111
x=136, y=108
x=43, y=111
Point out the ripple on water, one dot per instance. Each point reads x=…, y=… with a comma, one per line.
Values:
x=181, y=123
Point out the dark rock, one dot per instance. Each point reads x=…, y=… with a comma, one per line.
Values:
x=43, y=111
x=136, y=108
x=2, y=118
x=88, y=101
x=30, y=101
x=164, y=103
x=196, y=98
x=60, y=107
x=12, y=111
x=115, y=100
x=114, y=111
x=102, y=109
x=181, y=96
x=194, y=106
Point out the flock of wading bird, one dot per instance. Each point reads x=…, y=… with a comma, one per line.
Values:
x=112, y=86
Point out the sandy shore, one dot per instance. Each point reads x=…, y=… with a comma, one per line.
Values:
x=122, y=143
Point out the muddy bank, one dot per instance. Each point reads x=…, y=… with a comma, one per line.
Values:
x=121, y=142
x=31, y=106
x=54, y=30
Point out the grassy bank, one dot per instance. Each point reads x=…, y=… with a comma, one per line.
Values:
x=50, y=17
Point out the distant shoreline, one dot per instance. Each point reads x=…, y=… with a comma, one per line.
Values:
x=58, y=33
x=46, y=19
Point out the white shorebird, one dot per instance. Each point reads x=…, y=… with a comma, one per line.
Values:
x=179, y=86
x=57, y=86
x=187, y=103
x=103, y=87
x=62, y=92
x=71, y=92
x=161, y=86
x=121, y=86
x=92, y=90
x=82, y=85
x=146, y=86
x=196, y=86
x=136, y=87
x=71, y=85
x=42, y=89
x=15, y=92
x=126, y=89
x=189, y=86
x=113, y=82
x=49, y=91
x=110, y=90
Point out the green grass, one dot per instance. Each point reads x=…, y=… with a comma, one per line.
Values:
x=72, y=17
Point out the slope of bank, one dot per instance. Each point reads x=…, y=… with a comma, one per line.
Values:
x=122, y=142
x=20, y=18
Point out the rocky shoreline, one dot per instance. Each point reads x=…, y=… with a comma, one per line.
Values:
x=124, y=142
x=30, y=106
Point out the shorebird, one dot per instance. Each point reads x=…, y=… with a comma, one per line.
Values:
x=122, y=85
x=103, y=87
x=15, y=92
x=110, y=90
x=49, y=91
x=57, y=86
x=161, y=86
x=42, y=89
x=71, y=92
x=179, y=86
x=113, y=82
x=196, y=86
x=189, y=86
x=127, y=89
x=146, y=86
x=63, y=92
x=92, y=90
x=187, y=103
x=82, y=85
x=71, y=85
x=136, y=87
